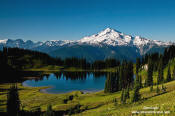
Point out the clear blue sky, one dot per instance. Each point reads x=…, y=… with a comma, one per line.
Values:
x=42, y=20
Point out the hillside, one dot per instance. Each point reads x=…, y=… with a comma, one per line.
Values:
x=153, y=94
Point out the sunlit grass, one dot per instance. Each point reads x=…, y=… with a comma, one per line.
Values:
x=97, y=103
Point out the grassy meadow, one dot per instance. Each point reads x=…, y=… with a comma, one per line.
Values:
x=92, y=104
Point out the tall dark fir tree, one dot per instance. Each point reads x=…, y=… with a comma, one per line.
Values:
x=138, y=63
x=13, y=102
x=149, y=80
x=109, y=84
x=174, y=73
x=168, y=74
x=160, y=77
x=136, y=95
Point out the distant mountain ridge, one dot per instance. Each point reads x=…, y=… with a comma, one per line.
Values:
x=105, y=44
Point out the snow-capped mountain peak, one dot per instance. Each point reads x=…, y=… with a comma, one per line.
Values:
x=116, y=38
x=108, y=36
x=109, y=31
x=3, y=41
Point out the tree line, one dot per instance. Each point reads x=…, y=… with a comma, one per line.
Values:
x=20, y=59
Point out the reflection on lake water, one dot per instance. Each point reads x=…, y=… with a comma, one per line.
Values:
x=62, y=82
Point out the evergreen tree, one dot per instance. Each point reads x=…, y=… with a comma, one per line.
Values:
x=127, y=93
x=137, y=79
x=121, y=78
x=109, y=84
x=112, y=83
x=157, y=89
x=174, y=73
x=160, y=77
x=136, y=95
x=13, y=102
x=123, y=97
x=168, y=74
x=140, y=82
x=49, y=111
x=117, y=83
x=137, y=65
x=151, y=88
x=150, y=73
x=130, y=75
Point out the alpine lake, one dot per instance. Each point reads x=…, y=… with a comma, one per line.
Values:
x=63, y=82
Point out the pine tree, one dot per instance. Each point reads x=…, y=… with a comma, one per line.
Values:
x=49, y=111
x=137, y=65
x=130, y=75
x=136, y=95
x=151, y=88
x=13, y=102
x=120, y=77
x=140, y=81
x=157, y=89
x=122, y=96
x=160, y=77
x=110, y=86
x=127, y=93
x=174, y=73
x=168, y=74
x=137, y=78
x=117, y=83
x=150, y=73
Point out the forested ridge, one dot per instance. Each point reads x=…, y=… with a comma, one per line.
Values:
x=20, y=59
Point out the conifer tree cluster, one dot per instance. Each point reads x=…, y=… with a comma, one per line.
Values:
x=121, y=79
x=111, y=84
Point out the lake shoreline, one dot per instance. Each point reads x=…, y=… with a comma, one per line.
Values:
x=44, y=90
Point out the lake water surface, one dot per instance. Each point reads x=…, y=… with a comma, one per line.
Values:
x=63, y=82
